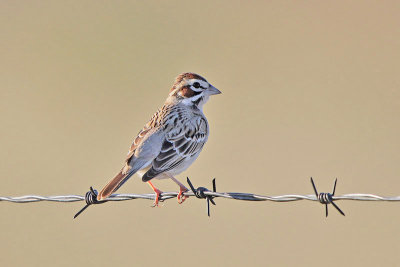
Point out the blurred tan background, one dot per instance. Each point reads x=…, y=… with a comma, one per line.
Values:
x=310, y=88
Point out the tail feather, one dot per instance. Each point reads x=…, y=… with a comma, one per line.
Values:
x=114, y=184
x=150, y=174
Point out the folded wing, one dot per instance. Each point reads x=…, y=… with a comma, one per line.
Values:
x=179, y=146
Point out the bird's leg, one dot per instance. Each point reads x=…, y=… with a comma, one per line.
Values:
x=157, y=191
x=182, y=189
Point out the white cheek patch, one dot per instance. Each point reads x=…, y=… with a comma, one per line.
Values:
x=197, y=90
x=195, y=98
x=187, y=101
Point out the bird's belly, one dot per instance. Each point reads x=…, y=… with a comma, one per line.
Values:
x=185, y=164
x=141, y=172
x=175, y=171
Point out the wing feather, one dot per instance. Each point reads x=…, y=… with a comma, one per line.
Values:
x=178, y=147
x=140, y=154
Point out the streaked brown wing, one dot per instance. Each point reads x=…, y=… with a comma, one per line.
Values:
x=136, y=142
x=125, y=173
x=154, y=121
x=130, y=168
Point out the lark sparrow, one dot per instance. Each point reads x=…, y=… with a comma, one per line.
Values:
x=173, y=138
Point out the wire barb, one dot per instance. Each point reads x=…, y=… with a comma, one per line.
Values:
x=326, y=198
x=200, y=193
x=90, y=198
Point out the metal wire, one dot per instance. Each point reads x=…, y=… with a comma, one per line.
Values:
x=169, y=195
x=201, y=192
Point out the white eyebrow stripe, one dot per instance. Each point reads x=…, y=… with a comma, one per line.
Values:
x=197, y=90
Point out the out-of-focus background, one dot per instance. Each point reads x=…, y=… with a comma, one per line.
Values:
x=309, y=89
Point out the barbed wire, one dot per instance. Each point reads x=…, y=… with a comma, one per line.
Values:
x=169, y=195
x=202, y=192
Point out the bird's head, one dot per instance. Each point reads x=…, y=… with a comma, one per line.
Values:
x=192, y=89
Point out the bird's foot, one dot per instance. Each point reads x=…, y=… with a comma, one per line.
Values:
x=157, y=199
x=181, y=197
x=158, y=194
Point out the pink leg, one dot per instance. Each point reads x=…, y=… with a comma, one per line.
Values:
x=182, y=189
x=157, y=191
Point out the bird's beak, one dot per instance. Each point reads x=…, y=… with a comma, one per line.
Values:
x=213, y=91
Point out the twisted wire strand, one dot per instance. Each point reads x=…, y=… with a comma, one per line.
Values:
x=228, y=195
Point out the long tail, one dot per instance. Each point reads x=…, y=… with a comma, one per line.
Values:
x=114, y=184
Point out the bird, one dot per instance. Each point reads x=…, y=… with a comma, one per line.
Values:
x=172, y=140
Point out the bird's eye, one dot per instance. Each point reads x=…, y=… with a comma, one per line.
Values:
x=196, y=85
